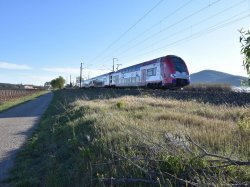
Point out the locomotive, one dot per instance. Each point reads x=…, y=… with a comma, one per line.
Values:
x=165, y=72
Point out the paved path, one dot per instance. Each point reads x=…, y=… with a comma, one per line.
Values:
x=16, y=125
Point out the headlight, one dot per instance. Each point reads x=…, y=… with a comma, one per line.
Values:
x=172, y=75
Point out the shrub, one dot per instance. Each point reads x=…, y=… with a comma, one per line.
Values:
x=120, y=104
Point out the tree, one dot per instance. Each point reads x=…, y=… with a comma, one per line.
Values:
x=61, y=82
x=245, y=49
x=58, y=83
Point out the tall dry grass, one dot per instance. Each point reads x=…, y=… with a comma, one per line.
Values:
x=96, y=138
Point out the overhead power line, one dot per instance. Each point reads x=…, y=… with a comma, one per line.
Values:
x=240, y=16
x=203, y=32
x=154, y=25
x=191, y=26
x=169, y=26
x=138, y=21
x=172, y=25
x=131, y=27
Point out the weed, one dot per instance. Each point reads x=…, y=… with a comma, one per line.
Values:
x=120, y=104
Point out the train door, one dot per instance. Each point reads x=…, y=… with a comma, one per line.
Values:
x=116, y=79
x=110, y=80
x=143, y=76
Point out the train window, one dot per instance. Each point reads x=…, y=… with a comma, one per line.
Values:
x=179, y=65
x=151, y=72
x=133, y=79
x=116, y=79
x=137, y=79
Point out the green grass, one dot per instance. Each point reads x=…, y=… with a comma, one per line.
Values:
x=98, y=137
x=14, y=102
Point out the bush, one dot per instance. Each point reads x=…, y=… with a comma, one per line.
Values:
x=120, y=104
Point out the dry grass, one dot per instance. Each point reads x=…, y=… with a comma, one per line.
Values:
x=212, y=126
x=94, y=137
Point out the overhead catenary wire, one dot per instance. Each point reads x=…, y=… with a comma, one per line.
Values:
x=170, y=26
x=199, y=33
x=194, y=36
x=130, y=28
x=163, y=19
x=154, y=25
x=193, y=25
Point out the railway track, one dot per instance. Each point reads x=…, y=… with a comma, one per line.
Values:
x=217, y=97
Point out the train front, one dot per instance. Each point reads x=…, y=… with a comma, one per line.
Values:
x=174, y=72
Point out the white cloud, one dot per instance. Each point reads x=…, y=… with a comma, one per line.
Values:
x=10, y=66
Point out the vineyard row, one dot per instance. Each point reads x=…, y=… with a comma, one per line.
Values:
x=6, y=95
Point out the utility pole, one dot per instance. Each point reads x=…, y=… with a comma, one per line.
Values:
x=70, y=84
x=81, y=76
x=114, y=63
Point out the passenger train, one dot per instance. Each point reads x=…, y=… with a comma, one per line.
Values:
x=165, y=72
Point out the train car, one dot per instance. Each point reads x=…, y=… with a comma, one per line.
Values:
x=165, y=72
x=99, y=81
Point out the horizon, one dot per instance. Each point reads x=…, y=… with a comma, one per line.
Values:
x=98, y=75
x=43, y=40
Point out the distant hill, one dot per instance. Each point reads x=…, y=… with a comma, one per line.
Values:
x=211, y=76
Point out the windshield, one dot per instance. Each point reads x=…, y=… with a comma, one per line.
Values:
x=179, y=65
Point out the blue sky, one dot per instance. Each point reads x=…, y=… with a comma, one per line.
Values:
x=42, y=39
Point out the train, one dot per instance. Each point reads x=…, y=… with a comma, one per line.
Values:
x=164, y=72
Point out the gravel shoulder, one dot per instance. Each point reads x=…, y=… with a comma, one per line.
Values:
x=16, y=125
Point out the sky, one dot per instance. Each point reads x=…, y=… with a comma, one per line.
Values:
x=43, y=39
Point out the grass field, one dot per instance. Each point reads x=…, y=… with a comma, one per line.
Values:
x=16, y=101
x=101, y=137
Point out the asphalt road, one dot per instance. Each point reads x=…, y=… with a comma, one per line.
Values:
x=16, y=125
